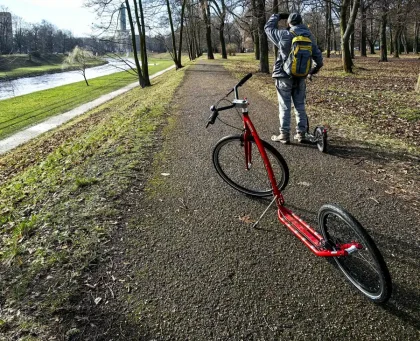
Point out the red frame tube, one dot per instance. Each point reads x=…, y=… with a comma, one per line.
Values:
x=307, y=235
x=249, y=128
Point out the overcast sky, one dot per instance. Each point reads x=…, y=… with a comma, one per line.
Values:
x=65, y=14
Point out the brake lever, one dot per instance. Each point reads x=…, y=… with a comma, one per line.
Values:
x=229, y=92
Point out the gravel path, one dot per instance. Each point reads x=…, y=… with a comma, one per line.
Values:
x=195, y=271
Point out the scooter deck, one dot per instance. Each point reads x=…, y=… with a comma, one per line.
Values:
x=311, y=238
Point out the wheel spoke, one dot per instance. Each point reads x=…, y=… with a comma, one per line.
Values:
x=229, y=161
x=365, y=268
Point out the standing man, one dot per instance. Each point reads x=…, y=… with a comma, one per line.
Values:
x=289, y=87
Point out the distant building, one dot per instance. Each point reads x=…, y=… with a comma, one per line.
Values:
x=6, y=33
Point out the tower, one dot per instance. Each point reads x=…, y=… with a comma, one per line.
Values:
x=123, y=26
x=123, y=36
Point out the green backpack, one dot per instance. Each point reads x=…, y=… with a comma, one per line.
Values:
x=299, y=61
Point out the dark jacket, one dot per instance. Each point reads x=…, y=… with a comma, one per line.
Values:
x=283, y=40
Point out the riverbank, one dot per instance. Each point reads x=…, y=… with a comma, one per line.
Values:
x=19, y=66
x=23, y=111
x=34, y=131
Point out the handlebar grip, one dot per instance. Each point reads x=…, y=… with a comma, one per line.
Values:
x=243, y=80
x=212, y=118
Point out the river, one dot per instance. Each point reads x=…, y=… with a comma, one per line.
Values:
x=27, y=85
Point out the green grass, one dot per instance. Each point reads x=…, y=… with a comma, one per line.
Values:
x=57, y=212
x=17, y=66
x=23, y=111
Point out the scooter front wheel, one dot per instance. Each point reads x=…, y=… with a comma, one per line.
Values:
x=320, y=136
x=364, y=267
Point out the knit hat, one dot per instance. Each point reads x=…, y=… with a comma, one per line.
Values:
x=294, y=19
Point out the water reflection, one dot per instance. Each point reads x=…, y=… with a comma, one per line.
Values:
x=23, y=86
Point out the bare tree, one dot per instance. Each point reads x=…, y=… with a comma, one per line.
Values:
x=108, y=12
x=373, y=29
x=347, y=29
x=80, y=59
x=260, y=11
x=416, y=32
x=205, y=11
x=328, y=27
x=193, y=28
x=20, y=36
x=176, y=53
x=384, y=16
x=219, y=7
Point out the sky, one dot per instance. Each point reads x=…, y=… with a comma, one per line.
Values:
x=65, y=14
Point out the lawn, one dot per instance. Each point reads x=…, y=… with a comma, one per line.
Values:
x=23, y=111
x=17, y=66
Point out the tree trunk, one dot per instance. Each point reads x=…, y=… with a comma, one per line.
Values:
x=334, y=37
x=372, y=47
x=328, y=28
x=222, y=40
x=346, y=29
x=363, y=30
x=391, y=40
x=256, y=45
x=84, y=76
x=198, y=47
x=404, y=42
x=133, y=43
x=384, y=48
x=352, y=46
x=372, y=41
x=397, y=39
x=181, y=30
x=205, y=9
x=189, y=47
x=142, y=36
x=254, y=29
x=264, y=67
x=418, y=84
x=171, y=25
x=275, y=11
x=416, y=37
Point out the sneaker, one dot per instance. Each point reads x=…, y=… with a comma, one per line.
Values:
x=300, y=137
x=283, y=138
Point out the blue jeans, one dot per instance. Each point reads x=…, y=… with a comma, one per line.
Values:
x=289, y=89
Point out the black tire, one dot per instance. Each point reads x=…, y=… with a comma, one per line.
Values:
x=321, y=139
x=365, y=268
x=229, y=161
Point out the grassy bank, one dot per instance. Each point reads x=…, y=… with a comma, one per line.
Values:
x=22, y=111
x=59, y=202
x=377, y=104
x=17, y=66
